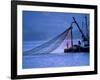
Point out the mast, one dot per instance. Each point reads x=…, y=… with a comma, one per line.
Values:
x=71, y=36
x=86, y=27
x=87, y=30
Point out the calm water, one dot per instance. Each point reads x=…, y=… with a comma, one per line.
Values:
x=59, y=59
x=56, y=60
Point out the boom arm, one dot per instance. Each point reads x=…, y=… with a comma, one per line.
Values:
x=80, y=29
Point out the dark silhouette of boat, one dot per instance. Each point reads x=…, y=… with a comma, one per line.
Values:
x=78, y=47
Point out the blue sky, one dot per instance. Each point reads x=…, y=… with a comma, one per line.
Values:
x=39, y=26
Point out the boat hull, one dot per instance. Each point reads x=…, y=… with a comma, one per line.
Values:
x=78, y=49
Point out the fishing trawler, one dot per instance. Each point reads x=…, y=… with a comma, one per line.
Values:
x=78, y=47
